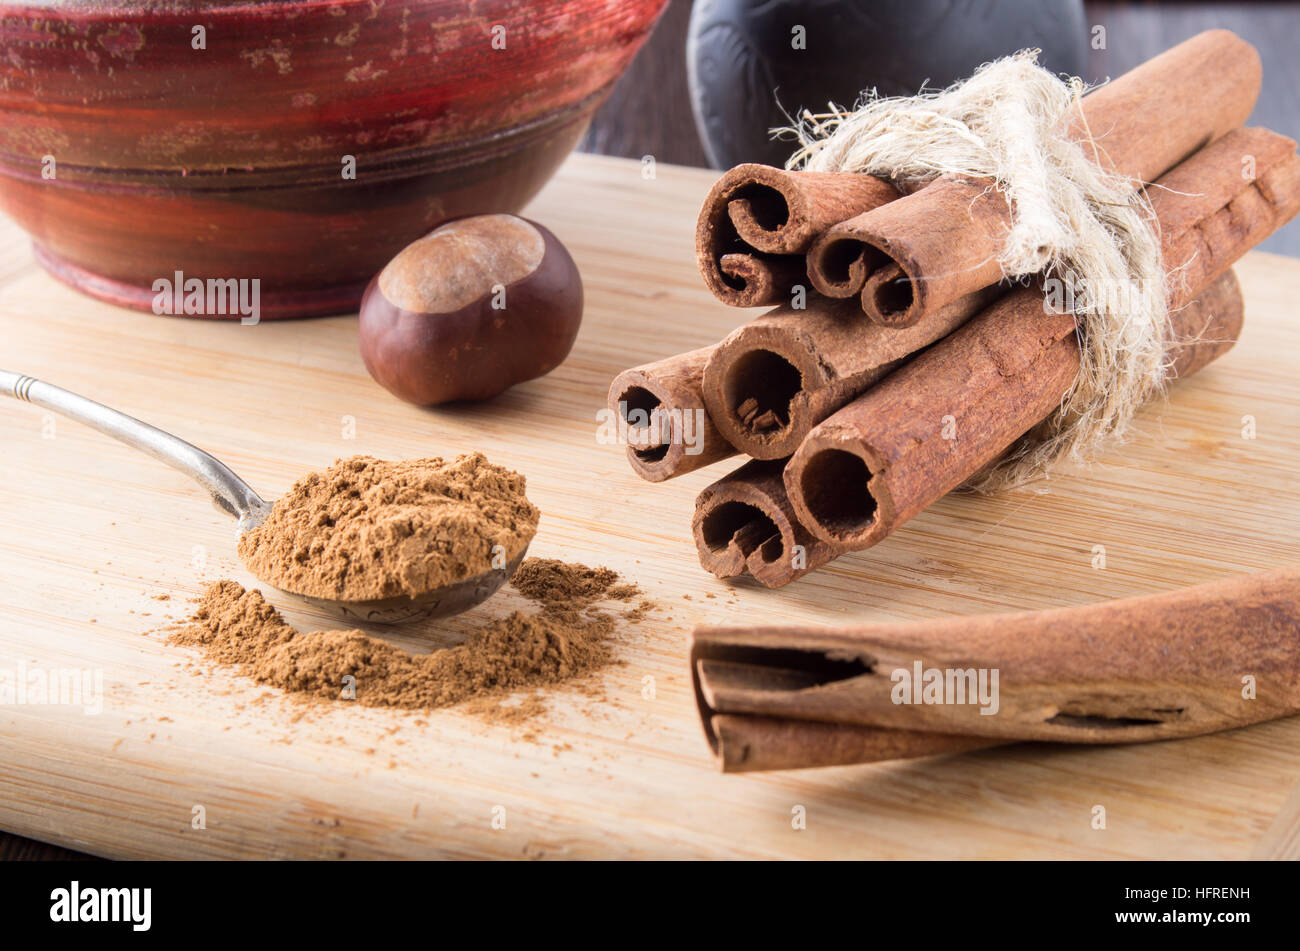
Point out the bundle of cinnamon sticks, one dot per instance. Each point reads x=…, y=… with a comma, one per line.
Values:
x=891, y=329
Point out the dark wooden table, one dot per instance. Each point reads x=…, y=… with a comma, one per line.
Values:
x=649, y=113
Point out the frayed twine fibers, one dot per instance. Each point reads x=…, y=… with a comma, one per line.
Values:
x=1071, y=220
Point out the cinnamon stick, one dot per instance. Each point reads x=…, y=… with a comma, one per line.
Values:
x=910, y=257
x=1203, y=659
x=673, y=431
x=744, y=523
x=772, y=380
x=758, y=220
x=889, y=454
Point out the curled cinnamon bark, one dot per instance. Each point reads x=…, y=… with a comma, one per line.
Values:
x=936, y=422
x=1199, y=660
x=772, y=380
x=943, y=241
x=758, y=220
x=670, y=431
x=748, y=279
x=744, y=523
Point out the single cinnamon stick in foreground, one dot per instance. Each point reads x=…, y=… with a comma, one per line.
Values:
x=758, y=220
x=910, y=257
x=772, y=380
x=676, y=435
x=744, y=523
x=889, y=454
x=1203, y=659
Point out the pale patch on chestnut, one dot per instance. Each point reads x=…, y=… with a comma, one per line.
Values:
x=459, y=262
x=472, y=308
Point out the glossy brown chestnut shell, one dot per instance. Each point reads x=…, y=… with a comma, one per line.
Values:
x=474, y=307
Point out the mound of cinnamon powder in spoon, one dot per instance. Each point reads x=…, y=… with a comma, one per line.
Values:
x=366, y=528
x=568, y=638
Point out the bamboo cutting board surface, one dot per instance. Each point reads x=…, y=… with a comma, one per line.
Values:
x=92, y=534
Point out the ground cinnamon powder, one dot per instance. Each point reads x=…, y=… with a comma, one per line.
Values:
x=366, y=528
x=567, y=638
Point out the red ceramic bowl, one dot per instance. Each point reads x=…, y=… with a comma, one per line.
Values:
x=130, y=153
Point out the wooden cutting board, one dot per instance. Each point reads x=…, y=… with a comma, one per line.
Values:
x=92, y=534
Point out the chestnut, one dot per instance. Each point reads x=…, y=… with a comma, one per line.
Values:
x=469, y=310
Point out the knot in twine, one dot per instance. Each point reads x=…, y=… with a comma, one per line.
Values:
x=1070, y=219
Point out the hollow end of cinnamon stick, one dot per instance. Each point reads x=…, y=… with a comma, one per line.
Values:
x=743, y=523
x=744, y=741
x=756, y=269
x=890, y=297
x=839, y=262
x=835, y=493
x=757, y=222
x=736, y=274
x=772, y=380
x=931, y=248
x=779, y=212
x=766, y=209
x=754, y=280
x=757, y=388
x=668, y=428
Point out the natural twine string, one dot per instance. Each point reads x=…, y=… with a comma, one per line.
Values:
x=1071, y=220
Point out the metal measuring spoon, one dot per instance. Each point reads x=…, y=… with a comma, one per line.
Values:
x=234, y=496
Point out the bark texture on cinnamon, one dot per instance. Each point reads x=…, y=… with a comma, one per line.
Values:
x=757, y=221
x=944, y=240
x=888, y=455
x=1211, y=212
x=744, y=524
x=1156, y=667
x=937, y=422
x=662, y=404
x=772, y=380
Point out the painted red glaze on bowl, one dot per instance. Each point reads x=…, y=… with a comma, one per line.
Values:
x=128, y=154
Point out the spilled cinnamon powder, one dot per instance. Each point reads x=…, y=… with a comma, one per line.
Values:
x=566, y=639
x=366, y=528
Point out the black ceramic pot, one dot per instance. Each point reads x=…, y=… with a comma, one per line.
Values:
x=746, y=65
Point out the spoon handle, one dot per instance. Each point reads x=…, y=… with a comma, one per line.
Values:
x=230, y=493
